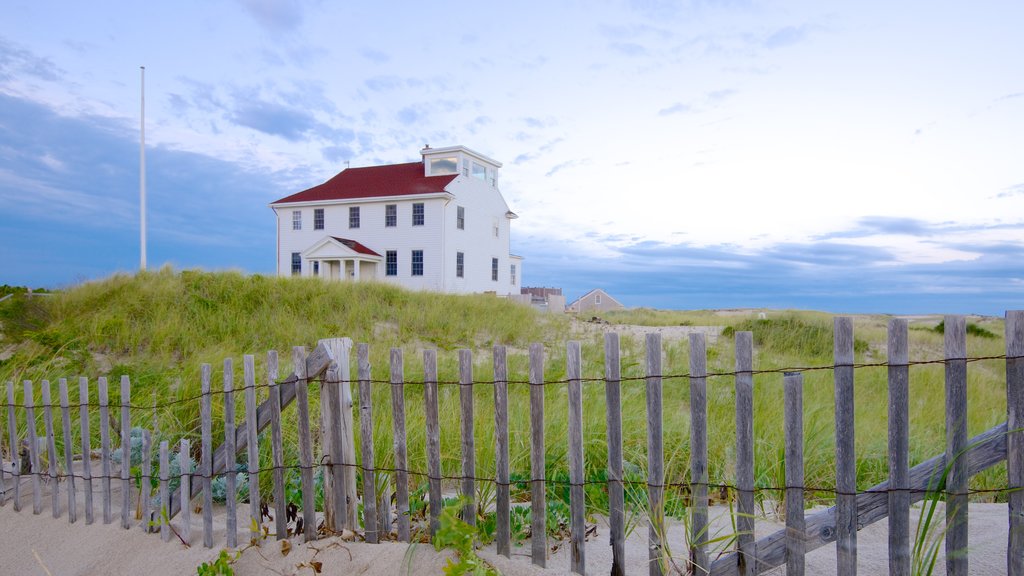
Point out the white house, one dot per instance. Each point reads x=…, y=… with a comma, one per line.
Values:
x=439, y=224
x=597, y=300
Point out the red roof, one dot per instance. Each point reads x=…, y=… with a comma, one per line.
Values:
x=356, y=246
x=374, y=182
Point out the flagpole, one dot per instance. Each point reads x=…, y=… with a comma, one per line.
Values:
x=142, y=176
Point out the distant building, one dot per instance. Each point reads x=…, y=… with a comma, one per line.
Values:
x=597, y=300
x=438, y=224
x=544, y=299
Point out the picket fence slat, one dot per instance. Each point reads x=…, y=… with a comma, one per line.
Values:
x=366, y=443
x=501, y=453
x=746, y=559
x=83, y=422
x=899, y=448
x=65, y=419
x=105, y=460
x=185, y=487
x=33, y=447
x=305, y=444
x=3, y=470
x=846, y=456
x=955, y=328
x=468, y=446
x=538, y=505
x=147, y=475
x=230, y=469
x=613, y=417
x=577, y=524
x=1015, y=440
x=206, y=456
x=51, y=450
x=398, y=427
x=698, y=453
x=126, y=452
x=165, y=466
x=794, y=438
x=255, y=515
x=655, y=459
x=335, y=485
x=342, y=348
x=433, y=438
x=276, y=448
x=12, y=436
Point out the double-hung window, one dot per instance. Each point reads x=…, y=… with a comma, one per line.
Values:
x=318, y=219
x=296, y=263
x=417, y=214
x=460, y=218
x=417, y=262
x=512, y=274
x=353, y=216
x=296, y=219
x=460, y=264
x=391, y=263
x=390, y=215
x=494, y=269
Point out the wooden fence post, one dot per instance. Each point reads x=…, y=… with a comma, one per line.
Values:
x=147, y=476
x=698, y=453
x=3, y=473
x=899, y=449
x=206, y=457
x=33, y=447
x=501, y=472
x=613, y=417
x=185, y=489
x=255, y=511
x=68, y=451
x=105, y=448
x=846, y=457
x=433, y=438
x=794, y=437
x=330, y=443
x=746, y=549
x=305, y=443
x=1015, y=440
x=955, y=328
x=468, y=444
x=401, y=459
x=230, y=456
x=577, y=510
x=83, y=422
x=12, y=436
x=343, y=354
x=655, y=459
x=276, y=448
x=51, y=450
x=370, y=518
x=126, y=452
x=538, y=506
x=165, y=496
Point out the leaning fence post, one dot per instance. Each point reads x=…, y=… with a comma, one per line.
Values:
x=68, y=451
x=577, y=522
x=51, y=450
x=613, y=416
x=899, y=449
x=955, y=329
x=538, y=538
x=794, y=436
x=655, y=459
x=1015, y=440
x=846, y=457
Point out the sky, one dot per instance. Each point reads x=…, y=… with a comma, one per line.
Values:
x=839, y=156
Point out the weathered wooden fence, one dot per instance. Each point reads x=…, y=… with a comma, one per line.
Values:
x=329, y=365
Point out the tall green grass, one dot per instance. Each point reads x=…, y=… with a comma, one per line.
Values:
x=159, y=327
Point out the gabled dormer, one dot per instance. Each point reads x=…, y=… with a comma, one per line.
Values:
x=460, y=160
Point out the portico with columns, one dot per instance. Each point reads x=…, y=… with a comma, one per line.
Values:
x=334, y=258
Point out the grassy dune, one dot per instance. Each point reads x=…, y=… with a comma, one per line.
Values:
x=159, y=327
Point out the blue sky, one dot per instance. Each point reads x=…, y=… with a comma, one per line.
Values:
x=845, y=156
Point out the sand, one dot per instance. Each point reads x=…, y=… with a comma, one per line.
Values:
x=40, y=544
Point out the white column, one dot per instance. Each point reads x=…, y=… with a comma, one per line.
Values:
x=355, y=270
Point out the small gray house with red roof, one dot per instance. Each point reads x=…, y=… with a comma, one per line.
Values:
x=439, y=224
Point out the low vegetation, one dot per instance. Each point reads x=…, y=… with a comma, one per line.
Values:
x=159, y=327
